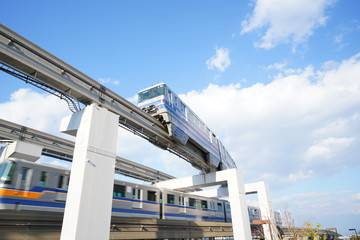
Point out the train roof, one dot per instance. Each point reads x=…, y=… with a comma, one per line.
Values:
x=50, y=165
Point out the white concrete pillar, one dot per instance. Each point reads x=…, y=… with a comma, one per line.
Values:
x=89, y=200
x=239, y=210
x=237, y=198
x=263, y=192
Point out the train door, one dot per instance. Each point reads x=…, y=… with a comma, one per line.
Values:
x=212, y=208
x=23, y=180
x=137, y=195
x=61, y=185
x=182, y=204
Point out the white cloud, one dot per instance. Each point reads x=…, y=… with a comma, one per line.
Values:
x=322, y=207
x=291, y=125
x=328, y=147
x=109, y=81
x=277, y=66
x=286, y=21
x=133, y=99
x=36, y=110
x=220, y=60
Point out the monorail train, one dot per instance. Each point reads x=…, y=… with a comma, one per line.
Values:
x=183, y=125
x=27, y=186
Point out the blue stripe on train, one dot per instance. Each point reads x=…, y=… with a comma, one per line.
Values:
x=31, y=203
x=205, y=218
x=62, y=205
x=120, y=210
x=187, y=207
x=37, y=189
x=135, y=200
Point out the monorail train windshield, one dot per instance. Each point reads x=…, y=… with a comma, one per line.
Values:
x=152, y=92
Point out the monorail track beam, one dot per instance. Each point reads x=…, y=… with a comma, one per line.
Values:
x=61, y=148
x=24, y=56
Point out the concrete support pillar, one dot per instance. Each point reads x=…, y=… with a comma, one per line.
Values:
x=89, y=200
x=263, y=192
x=234, y=179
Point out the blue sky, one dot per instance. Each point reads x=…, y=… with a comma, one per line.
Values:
x=278, y=81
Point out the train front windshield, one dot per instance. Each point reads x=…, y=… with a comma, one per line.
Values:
x=151, y=93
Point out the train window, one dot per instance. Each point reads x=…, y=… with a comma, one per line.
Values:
x=24, y=173
x=201, y=125
x=190, y=116
x=134, y=193
x=192, y=202
x=151, y=196
x=204, y=204
x=219, y=207
x=151, y=93
x=182, y=107
x=170, y=199
x=119, y=190
x=144, y=96
x=196, y=122
x=181, y=201
x=43, y=178
x=207, y=131
x=170, y=97
x=213, y=139
x=7, y=172
x=60, y=181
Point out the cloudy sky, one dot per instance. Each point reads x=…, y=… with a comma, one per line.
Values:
x=278, y=81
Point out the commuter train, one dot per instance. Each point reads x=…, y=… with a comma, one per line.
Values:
x=183, y=125
x=41, y=188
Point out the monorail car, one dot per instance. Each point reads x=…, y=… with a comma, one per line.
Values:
x=183, y=125
x=40, y=188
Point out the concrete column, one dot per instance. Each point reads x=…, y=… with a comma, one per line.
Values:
x=239, y=210
x=234, y=179
x=263, y=192
x=89, y=200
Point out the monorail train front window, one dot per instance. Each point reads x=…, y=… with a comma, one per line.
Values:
x=7, y=172
x=151, y=93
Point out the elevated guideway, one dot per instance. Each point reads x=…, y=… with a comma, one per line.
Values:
x=61, y=148
x=25, y=60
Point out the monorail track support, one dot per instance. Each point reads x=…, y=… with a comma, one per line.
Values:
x=236, y=188
x=263, y=193
x=89, y=200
